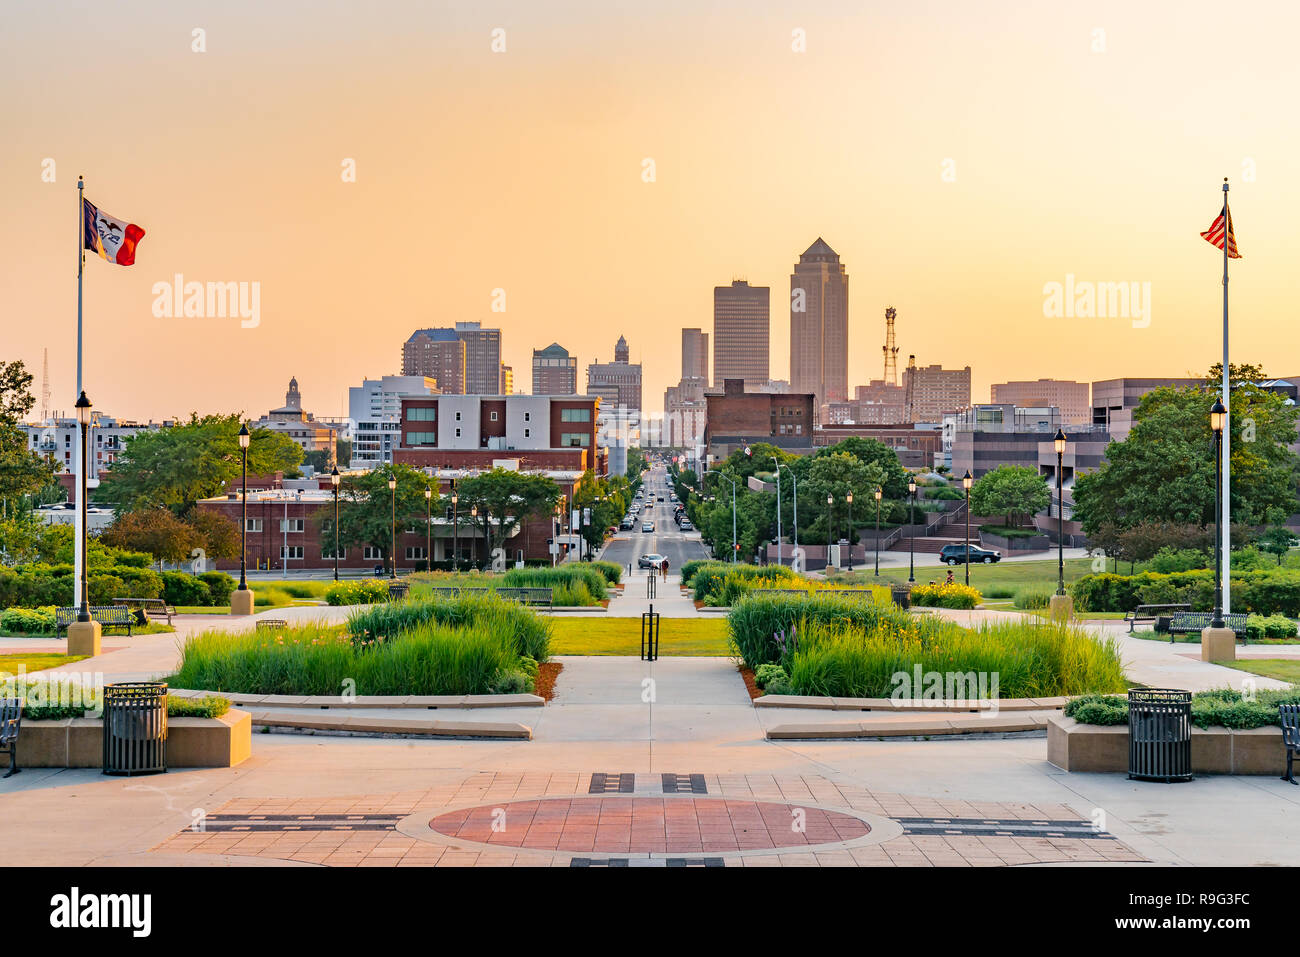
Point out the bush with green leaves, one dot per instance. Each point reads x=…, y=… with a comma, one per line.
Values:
x=28, y=621
x=206, y=706
x=1032, y=599
x=1098, y=709
x=1261, y=627
x=569, y=575
x=220, y=585
x=182, y=589
x=530, y=632
x=1267, y=591
x=612, y=571
x=765, y=674
x=1217, y=707
x=690, y=568
x=999, y=591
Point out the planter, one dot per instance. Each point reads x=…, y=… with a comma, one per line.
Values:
x=1030, y=543
x=1097, y=748
x=191, y=742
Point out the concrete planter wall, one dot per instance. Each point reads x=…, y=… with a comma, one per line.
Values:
x=1095, y=748
x=1034, y=543
x=191, y=742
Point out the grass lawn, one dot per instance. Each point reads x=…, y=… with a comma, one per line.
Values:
x=690, y=637
x=11, y=663
x=1283, y=669
x=1013, y=575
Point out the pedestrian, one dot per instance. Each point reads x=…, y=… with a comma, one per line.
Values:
x=664, y=568
x=950, y=580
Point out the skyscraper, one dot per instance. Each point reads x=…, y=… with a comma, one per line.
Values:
x=695, y=355
x=741, y=327
x=555, y=372
x=819, y=325
x=437, y=354
x=482, y=358
x=618, y=383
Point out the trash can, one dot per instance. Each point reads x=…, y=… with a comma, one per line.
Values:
x=1159, y=735
x=1162, y=624
x=397, y=590
x=902, y=595
x=135, y=728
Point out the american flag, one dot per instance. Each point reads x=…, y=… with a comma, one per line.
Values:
x=1214, y=235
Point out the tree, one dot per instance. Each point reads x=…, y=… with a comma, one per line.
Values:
x=177, y=466
x=1164, y=470
x=319, y=460
x=608, y=500
x=1276, y=541
x=868, y=451
x=836, y=475
x=505, y=500
x=1010, y=490
x=153, y=530
x=366, y=507
x=22, y=471
x=218, y=535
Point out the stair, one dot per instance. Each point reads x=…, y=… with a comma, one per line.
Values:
x=931, y=545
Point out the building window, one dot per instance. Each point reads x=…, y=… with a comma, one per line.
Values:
x=422, y=438
x=457, y=416
x=458, y=433
x=423, y=413
x=575, y=415
x=528, y=417
x=414, y=553
x=254, y=525
x=568, y=439
x=291, y=525
x=291, y=551
x=528, y=433
x=494, y=416
x=369, y=553
x=327, y=551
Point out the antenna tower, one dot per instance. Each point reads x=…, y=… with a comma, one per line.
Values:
x=890, y=350
x=45, y=387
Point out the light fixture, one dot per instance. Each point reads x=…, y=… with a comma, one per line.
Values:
x=392, y=483
x=911, y=486
x=966, y=480
x=1218, y=413
x=83, y=409
x=335, y=478
x=1059, y=442
x=428, y=493
x=879, y=493
x=244, y=437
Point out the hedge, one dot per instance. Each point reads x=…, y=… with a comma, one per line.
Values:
x=1220, y=707
x=1267, y=592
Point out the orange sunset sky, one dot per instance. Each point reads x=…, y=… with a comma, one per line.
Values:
x=522, y=171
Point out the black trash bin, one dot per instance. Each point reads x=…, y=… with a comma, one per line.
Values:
x=397, y=590
x=135, y=728
x=902, y=595
x=1159, y=735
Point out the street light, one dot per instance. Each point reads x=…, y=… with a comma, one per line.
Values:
x=1218, y=415
x=83, y=419
x=1059, y=442
x=911, y=539
x=334, y=481
x=455, y=529
x=965, y=484
x=392, y=488
x=473, y=542
x=428, y=529
x=778, y=509
x=879, y=493
x=849, y=498
x=830, y=500
x=244, y=439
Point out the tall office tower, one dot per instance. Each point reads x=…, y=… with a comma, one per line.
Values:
x=695, y=355
x=933, y=390
x=819, y=325
x=555, y=372
x=436, y=354
x=482, y=358
x=507, y=379
x=741, y=332
x=618, y=383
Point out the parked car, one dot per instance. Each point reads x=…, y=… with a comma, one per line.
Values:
x=650, y=561
x=687, y=526
x=647, y=526
x=952, y=555
x=626, y=525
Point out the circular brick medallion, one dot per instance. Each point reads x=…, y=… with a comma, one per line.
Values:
x=649, y=825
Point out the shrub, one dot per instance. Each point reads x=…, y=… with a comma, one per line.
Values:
x=779, y=685
x=690, y=568
x=1222, y=707
x=724, y=583
x=28, y=621
x=220, y=585
x=208, y=706
x=999, y=591
x=612, y=571
x=530, y=632
x=569, y=575
x=944, y=493
x=765, y=674
x=360, y=592
x=182, y=589
x=1030, y=599
x=1260, y=627
x=1177, y=560
x=1098, y=709
x=270, y=596
x=944, y=595
x=511, y=682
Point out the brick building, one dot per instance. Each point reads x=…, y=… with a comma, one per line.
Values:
x=735, y=418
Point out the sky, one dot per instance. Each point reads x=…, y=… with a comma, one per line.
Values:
x=958, y=156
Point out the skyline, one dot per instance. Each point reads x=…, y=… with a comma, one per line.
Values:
x=1105, y=168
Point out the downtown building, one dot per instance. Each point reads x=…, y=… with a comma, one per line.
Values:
x=819, y=325
x=931, y=392
x=555, y=372
x=735, y=418
x=472, y=368
x=695, y=350
x=741, y=336
x=1070, y=397
x=301, y=426
x=375, y=416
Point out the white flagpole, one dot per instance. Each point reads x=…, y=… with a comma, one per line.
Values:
x=1226, y=530
x=81, y=263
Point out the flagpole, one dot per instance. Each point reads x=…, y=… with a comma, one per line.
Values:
x=1226, y=525
x=81, y=265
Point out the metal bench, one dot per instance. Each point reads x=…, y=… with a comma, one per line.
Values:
x=1195, y=621
x=527, y=596
x=1143, y=613
x=107, y=615
x=11, y=720
x=820, y=591
x=1289, y=714
x=272, y=623
x=148, y=608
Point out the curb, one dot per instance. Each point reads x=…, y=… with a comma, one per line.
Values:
x=335, y=702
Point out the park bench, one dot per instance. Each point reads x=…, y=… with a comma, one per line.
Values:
x=527, y=596
x=272, y=623
x=1289, y=715
x=107, y=615
x=11, y=720
x=155, y=608
x=824, y=591
x=1195, y=621
x=1149, y=614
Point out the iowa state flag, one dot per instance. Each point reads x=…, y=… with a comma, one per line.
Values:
x=114, y=239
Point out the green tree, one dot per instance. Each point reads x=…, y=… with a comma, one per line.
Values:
x=505, y=500
x=608, y=500
x=1010, y=490
x=177, y=466
x=1276, y=541
x=367, y=506
x=22, y=471
x=868, y=451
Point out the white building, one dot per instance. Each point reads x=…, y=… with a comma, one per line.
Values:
x=57, y=438
x=375, y=416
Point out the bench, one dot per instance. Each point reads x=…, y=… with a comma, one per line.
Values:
x=526, y=596
x=1289, y=715
x=1196, y=621
x=1143, y=613
x=107, y=615
x=11, y=720
x=148, y=608
x=821, y=591
x=272, y=623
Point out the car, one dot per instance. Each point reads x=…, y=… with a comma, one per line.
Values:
x=659, y=499
x=952, y=555
x=626, y=525
x=647, y=526
x=650, y=561
x=687, y=526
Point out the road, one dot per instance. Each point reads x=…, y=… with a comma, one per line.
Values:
x=666, y=540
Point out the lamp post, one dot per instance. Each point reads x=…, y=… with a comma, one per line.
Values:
x=911, y=539
x=455, y=529
x=830, y=500
x=428, y=529
x=83, y=634
x=849, y=499
x=1059, y=442
x=334, y=481
x=965, y=484
x=1217, y=415
x=473, y=541
x=879, y=493
x=241, y=599
x=392, y=489
x=778, y=509
x=794, y=478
